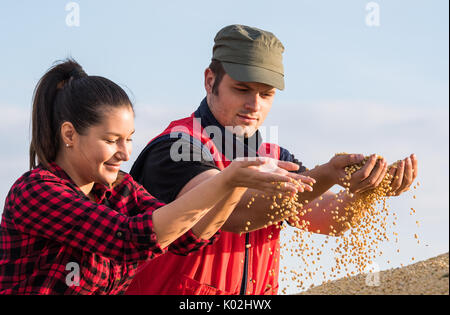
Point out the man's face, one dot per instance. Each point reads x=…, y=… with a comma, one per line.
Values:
x=240, y=106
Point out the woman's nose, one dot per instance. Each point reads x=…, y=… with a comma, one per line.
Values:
x=124, y=152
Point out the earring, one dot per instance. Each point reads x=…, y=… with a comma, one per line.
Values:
x=67, y=145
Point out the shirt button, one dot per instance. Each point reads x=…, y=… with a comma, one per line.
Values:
x=119, y=234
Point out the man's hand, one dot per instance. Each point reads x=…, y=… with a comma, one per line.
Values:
x=366, y=178
x=404, y=174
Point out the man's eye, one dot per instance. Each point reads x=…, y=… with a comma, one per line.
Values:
x=111, y=141
x=241, y=90
x=130, y=140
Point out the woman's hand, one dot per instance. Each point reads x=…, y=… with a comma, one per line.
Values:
x=268, y=175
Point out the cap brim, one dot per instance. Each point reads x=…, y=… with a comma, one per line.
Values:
x=246, y=73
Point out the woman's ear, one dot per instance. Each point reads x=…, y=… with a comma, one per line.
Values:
x=68, y=134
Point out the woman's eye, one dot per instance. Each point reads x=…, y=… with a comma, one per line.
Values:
x=129, y=140
x=111, y=141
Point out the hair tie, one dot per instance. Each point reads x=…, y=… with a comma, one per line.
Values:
x=75, y=73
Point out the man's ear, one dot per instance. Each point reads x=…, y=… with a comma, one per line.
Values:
x=209, y=80
x=68, y=134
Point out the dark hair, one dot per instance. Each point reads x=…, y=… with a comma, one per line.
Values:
x=67, y=93
x=218, y=70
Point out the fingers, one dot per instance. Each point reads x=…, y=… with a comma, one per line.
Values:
x=392, y=169
x=376, y=176
x=275, y=183
x=246, y=162
x=303, y=183
x=276, y=188
x=354, y=159
x=365, y=171
x=271, y=177
x=415, y=165
x=288, y=166
x=404, y=173
x=265, y=174
x=398, y=178
x=301, y=187
x=285, y=187
x=382, y=174
x=341, y=161
x=301, y=178
x=408, y=177
x=265, y=164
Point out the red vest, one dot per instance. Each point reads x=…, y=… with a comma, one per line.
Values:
x=217, y=268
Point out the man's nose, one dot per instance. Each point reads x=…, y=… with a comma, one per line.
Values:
x=252, y=102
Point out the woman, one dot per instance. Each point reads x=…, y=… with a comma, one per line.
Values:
x=75, y=224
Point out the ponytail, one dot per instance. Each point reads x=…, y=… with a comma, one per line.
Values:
x=67, y=93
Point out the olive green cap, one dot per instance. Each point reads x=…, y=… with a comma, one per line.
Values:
x=249, y=54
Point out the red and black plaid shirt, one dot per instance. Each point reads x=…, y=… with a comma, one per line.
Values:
x=50, y=230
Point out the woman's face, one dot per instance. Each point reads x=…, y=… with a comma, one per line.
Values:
x=98, y=153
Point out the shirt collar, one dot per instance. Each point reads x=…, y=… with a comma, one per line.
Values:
x=240, y=147
x=99, y=191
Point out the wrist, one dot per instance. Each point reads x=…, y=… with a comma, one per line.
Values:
x=330, y=173
x=226, y=178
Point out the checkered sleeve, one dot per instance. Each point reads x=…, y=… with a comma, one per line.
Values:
x=53, y=210
x=186, y=243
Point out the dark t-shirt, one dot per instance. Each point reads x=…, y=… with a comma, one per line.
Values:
x=164, y=178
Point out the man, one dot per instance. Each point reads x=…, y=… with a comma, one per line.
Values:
x=240, y=84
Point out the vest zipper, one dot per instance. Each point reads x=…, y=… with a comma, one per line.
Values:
x=245, y=274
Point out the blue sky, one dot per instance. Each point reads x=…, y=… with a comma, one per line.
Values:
x=349, y=87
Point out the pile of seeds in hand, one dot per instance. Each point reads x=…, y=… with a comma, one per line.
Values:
x=358, y=230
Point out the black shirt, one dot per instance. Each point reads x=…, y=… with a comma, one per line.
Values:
x=164, y=178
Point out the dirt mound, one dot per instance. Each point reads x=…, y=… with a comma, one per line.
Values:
x=425, y=277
